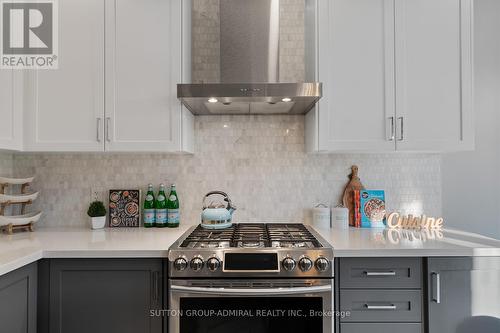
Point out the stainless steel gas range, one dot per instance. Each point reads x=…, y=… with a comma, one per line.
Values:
x=251, y=278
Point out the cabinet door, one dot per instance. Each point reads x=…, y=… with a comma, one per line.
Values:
x=433, y=75
x=66, y=106
x=356, y=66
x=105, y=295
x=10, y=110
x=18, y=300
x=463, y=295
x=144, y=65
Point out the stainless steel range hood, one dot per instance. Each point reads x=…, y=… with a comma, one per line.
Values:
x=236, y=98
x=249, y=46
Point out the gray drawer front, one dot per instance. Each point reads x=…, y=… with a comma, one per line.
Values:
x=373, y=273
x=381, y=328
x=381, y=305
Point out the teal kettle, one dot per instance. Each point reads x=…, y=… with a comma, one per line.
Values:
x=217, y=216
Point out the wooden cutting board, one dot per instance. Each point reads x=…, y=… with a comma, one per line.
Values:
x=354, y=184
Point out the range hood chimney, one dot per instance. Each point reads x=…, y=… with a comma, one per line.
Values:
x=249, y=37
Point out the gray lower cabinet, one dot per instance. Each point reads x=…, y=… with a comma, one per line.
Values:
x=18, y=300
x=380, y=295
x=104, y=296
x=381, y=328
x=463, y=295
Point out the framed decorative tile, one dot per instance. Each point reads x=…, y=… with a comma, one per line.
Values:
x=124, y=209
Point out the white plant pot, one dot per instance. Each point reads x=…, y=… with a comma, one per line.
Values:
x=97, y=222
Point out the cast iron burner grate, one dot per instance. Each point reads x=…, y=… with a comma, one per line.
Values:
x=253, y=235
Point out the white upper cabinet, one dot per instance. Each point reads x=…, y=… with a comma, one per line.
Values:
x=10, y=110
x=115, y=89
x=396, y=76
x=65, y=106
x=144, y=55
x=434, y=75
x=356, y=66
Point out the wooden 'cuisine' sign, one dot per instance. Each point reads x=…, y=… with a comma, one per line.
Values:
x=399, y=221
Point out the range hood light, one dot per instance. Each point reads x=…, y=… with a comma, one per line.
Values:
x=290, y=98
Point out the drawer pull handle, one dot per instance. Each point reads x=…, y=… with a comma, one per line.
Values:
x=381, y=307
x=389, y=273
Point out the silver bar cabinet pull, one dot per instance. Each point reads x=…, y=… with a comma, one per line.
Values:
x=387, y=273
x=392, y=136
x=401, y=129
x=251, y=291
x=98, y=137
x=381, y=307
x=436, y=287
x=108, y=119
x=156, y=286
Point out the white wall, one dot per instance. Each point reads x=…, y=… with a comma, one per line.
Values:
x=471, y=181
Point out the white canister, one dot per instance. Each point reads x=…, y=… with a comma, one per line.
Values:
x=340, y=217
x=321, y=216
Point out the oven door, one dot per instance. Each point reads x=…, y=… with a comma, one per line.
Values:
x=251, y=306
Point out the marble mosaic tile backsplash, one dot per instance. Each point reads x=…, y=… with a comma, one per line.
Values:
x=260, y=161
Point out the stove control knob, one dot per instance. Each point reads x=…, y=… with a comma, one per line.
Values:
x=322, y=264
x=213, y=264
x=196, y=263
x=305, y=264
x=288, y=264
x=180, y=264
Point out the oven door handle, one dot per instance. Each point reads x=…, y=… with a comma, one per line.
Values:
x=251, y=291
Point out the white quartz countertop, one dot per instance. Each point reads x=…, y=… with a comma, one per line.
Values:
x=24, y=248
x=361, y=242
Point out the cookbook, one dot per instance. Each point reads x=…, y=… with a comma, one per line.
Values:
x=370, y=209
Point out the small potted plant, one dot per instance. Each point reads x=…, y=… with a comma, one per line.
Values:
x=97, y=213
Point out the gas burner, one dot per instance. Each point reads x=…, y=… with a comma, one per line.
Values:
x=207, y=245
x=251, y=244
x=202, y=238
x=285, y=229
x=285, y=244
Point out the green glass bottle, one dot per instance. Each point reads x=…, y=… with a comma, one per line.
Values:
x=149, y=208
x=173, y=208
x=161, y=208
